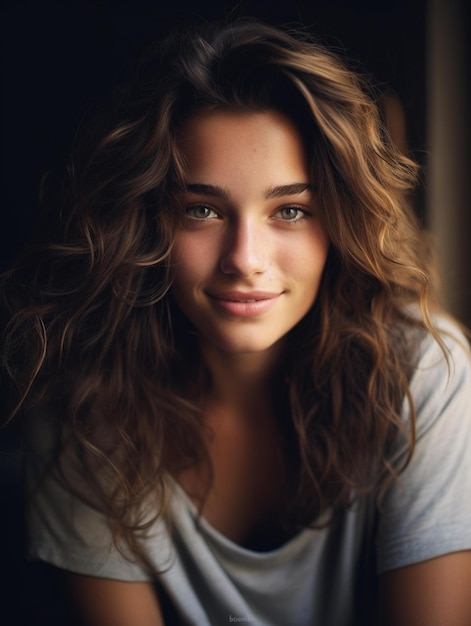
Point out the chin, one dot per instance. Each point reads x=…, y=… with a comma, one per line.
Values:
x=244, y=346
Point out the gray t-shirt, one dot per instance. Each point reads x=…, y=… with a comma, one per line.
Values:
x=320, y=577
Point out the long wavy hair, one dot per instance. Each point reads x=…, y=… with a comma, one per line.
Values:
x=90, y=327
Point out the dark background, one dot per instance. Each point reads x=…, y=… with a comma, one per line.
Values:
x=59, y=58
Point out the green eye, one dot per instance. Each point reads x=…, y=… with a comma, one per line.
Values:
x=200, y=212
x=289, y=213
x=292, y=214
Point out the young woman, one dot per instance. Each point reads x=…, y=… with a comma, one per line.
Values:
x=242, y=402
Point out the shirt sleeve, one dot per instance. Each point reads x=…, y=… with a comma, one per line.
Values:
x=62, y=529
x=427, y=512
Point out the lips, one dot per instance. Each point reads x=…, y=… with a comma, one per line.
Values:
x=244, y=304
x=242, y=296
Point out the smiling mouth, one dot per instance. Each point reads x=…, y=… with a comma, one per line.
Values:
x=230, y=296
x=241, y=299
x=244, y=305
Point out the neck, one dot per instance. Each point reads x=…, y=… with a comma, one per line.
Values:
x=243, y=382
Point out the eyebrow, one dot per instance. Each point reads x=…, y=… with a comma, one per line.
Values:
x=273, y=192
x=288, y=190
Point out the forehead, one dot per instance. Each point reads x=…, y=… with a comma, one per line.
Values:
x=228, y=143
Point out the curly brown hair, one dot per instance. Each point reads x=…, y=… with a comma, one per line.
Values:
x=90, y=326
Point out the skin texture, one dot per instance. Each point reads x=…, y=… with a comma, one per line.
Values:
x=105, y=602
x=243, y=234
x=432, y=593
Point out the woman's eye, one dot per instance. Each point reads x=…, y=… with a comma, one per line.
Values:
x=292, y=214
x=201, y=212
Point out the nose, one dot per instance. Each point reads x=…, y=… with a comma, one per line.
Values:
x=246, y=249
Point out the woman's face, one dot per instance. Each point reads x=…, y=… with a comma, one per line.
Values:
x=249, y=256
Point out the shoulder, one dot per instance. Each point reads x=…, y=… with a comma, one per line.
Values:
x=455, y=344
x=441, y=378
x=425, y=513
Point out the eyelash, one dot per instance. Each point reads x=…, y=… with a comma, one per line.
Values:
x=304, y=214
x=193, y=208
x=300, y=210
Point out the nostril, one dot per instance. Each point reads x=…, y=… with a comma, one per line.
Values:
x=243, y=261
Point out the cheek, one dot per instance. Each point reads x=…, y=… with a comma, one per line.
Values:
x=305, y=260
x=312, y=278
x=186, y=250
x=192, y=260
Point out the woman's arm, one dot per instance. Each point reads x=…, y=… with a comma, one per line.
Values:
x=105, y=602
x=436, y=592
